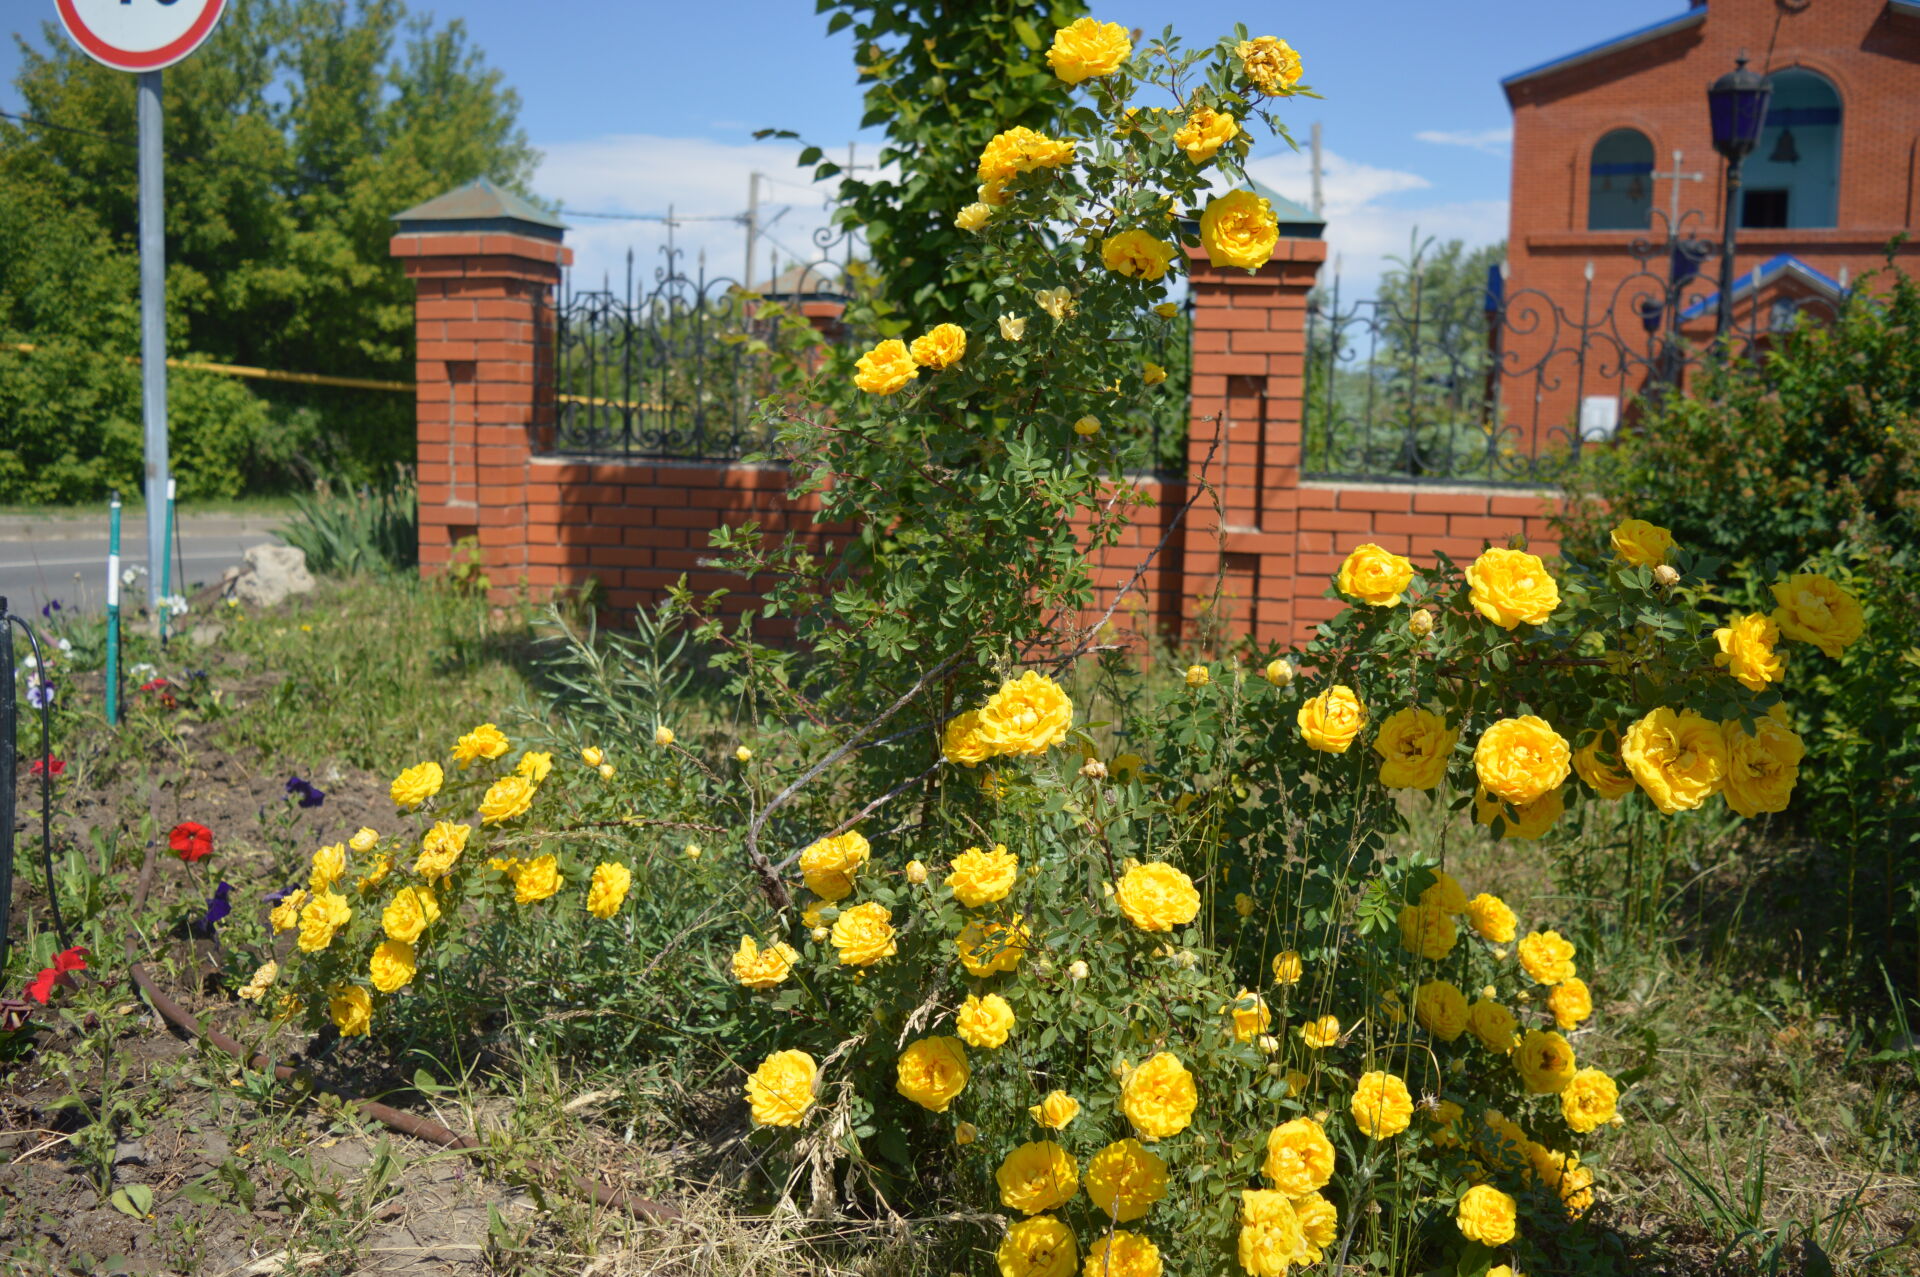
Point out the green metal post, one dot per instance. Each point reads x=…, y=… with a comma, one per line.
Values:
x=113, y=608
x=165, y=560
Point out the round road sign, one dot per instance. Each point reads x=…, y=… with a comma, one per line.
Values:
x=138, y=35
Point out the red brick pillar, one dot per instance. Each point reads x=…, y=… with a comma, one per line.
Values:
x=485, y=267
x=1249, y=377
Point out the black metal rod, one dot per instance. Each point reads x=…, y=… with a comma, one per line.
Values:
x=9, y=713
x=1725, y=321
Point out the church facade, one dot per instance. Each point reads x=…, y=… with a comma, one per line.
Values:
x=1613, y=151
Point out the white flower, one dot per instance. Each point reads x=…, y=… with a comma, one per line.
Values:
x=66, y=646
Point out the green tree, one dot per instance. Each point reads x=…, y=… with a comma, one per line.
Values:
x=292, y=138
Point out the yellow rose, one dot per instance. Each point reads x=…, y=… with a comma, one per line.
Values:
x=758, y=968
x=1321, y=1033
x=885, y=369
x=743, y=754
x=1087, y=427
x=376, y=873
x=1250, y=1016
x=1679, y=759
x=1159, y=1097
x=1243, y=904
x=325, y=913
x=1271, y=1240
x=780, y=1091
x=1598, y=763
x=1493, y=1024
x=1381, y=1106
x=608, y=889
x=983, y=877
x=1269, y=63
x=1019, y=150
x=1526, y=821
x=1427, y=931
x=391, y=966
x=1136, y=255
x=1036, y=1177
x=1157, y=897
x=1319, y=1224
x=994, y=193
x=1642, y=544
x=1151, y=374
x=1299, y=1157
x=440, y=848
x=1038, y=1247
x=256, y=988
x=984, y=1022
x=1590, y=1101
x=1122, y=1254
x=593, y=756
x=973, y=217
x=942, y=346
x=1056, y=1110
x=1763, y=765
x=1814, y=609
x=1125, y=1179
x=1491, y=919
x=1414, y=747
x=1057, y=302
x=965, y=1133
x=1087, y=49
x=1441, y=1009
x=1239, y=229
x=483, y=742
x=534, y=766
x=662, y=736
x=1486, y=1215
x=351, y=1010
x=932, y=1071
x=988, y=947
x=1545, y=1062
x=1570, y=1002
x=829, y=864
x=1198, y=676
x=1029, y=715
x=1375, y=576
x=1563, y=1173
x=864, y=934
x=416, y=784
x=1746, y=651
x=410, y=912
x=1511, y=587
x=1519, y=759
x=506, y=798
x=1279, y=673
x=1446, y=894
x=1547, y=957
x=1166, y=310
x=1012, y=327
x=329, y=866
x=364, y=841
x=1287, y=967
x=536, y=880
x=962, y=743
x=1329, y=722
x=1205, y=132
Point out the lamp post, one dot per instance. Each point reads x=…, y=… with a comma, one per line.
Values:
x=1737, y=105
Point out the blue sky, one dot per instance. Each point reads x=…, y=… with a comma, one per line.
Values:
x=638, y=106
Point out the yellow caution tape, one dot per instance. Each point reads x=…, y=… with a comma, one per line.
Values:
x=261, y=374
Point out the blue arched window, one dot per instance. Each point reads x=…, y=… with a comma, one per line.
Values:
x=1620, y=182
x=1792, y=179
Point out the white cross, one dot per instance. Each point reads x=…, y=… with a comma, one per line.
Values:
x=1677, y=177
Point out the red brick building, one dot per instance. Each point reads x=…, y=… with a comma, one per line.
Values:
x=1599, y=136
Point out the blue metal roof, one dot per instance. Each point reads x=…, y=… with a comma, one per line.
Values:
x=1639, y=35
x=1767, y=271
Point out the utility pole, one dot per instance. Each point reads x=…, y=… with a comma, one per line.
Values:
x=153, y=331
x=753, y=226
x=1318, y=204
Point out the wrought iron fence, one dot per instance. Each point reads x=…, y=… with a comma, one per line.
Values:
x=1479, y=385
x=1155, y=439
x=681, y=366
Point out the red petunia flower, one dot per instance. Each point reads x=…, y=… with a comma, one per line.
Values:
x=42, y=987
x=55, y=768
x=153, y=685
x=191, y=840
x=74, y=959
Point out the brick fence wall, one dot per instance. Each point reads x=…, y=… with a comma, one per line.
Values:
x=1266, y=539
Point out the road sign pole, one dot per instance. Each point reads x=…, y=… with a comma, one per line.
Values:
x=153, y=332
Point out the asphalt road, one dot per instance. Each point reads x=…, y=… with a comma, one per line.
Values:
x=46, y=558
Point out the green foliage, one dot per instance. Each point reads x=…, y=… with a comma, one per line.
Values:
x=942, y=79
x=1811, y=461
x=348, y=529
x=292, y=137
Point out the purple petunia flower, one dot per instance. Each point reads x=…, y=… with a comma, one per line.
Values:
x=275, y=897
x=49, y=608
x=218, y=907
x=39, y=693
x=311, y=795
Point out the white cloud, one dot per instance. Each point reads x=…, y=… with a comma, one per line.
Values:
x=1370, y=214
x=697, y=179
x=1492, y=141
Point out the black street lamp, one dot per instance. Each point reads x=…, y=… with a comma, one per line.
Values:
x=1737, y=104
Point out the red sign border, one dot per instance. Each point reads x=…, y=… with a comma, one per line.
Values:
x=153, y=59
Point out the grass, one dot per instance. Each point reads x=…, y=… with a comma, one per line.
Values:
x=1770, y=1129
